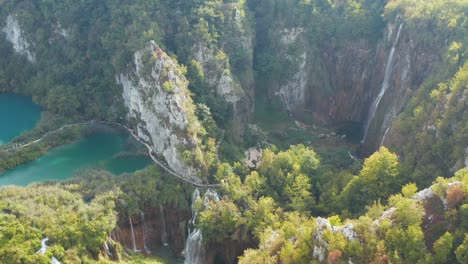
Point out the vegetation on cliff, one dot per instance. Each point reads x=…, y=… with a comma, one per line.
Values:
x=308, y=60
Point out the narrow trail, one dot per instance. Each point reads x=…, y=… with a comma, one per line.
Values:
x=191, y=179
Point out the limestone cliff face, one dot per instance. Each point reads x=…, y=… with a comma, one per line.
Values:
x=326, y=82
x=342, y=81
x=414, y=62
x=235, y=88
x=160, y=108
x=292, y=91
x=15, y=35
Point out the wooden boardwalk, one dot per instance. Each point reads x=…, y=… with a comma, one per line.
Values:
x=190, y=179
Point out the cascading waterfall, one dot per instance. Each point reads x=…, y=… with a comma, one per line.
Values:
x=133, y=235
x=210, y=195
x=194, y=251
x=385, y=85
x=163, y=233
x=195, y=197
x=143, y=230
x=43, y=250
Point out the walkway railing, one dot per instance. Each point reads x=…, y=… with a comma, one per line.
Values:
x=192, y=180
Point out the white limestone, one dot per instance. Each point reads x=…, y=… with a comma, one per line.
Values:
x=292, y=93
x=163, y=118
x=15, y=36
x=424, y=194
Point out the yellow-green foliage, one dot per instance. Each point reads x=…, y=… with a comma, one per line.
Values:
x=76, y=229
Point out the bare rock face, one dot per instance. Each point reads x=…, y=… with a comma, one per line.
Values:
x=160, y=108
x=412, y=64
x=150, y=227
x=15, y=35
x=292, y=92
x=235, y=90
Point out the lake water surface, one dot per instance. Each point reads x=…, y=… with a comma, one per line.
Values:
x=17, y=114
x=104, y=150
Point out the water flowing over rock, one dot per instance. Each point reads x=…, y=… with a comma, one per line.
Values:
x=194, y=251
x=15, y=35
x=133, y=236
x=44, y=246
x=43, y=250
x=385, y=85
x=164, y=228
x=160, y=108
x=384, y=136
x=143, y=231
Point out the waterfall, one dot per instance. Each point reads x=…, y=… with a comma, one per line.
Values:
x=194, y=251
x=143, y=230
x=133, y=235
x=385, y=85
x=195, y=197
x=43, y=248
x=210, y=195
x=384, y=136
x=163, y=233
x=107, y=249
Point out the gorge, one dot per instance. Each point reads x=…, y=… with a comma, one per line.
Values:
x=349, y=107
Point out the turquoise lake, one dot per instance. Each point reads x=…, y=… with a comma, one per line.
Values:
x=17, y=114
x=103, y=150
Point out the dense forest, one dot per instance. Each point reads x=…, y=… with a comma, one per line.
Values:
x=356, y=109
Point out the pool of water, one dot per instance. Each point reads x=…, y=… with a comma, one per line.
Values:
x=17, y=115
x=102, y=150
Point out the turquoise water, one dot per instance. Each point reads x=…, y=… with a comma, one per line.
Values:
x=17, y=114
x=100, y=150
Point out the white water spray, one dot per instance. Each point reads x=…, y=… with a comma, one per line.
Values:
x=143, y=230
x=44, y=246
x=384, y=136
x=194, y=250
x=163, y=233
x=43, y=250
x=133, y=235
x=385, y=85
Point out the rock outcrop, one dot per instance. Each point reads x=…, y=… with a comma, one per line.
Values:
x=236, y=88
x=15, y=35
x=148, y=231
x=160, y=108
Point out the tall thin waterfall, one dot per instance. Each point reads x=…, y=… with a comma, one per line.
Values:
x=143, y=230
x=133, y=236
x=163, y=233
x=194, y=251
x=384, y=136
x=385, y=85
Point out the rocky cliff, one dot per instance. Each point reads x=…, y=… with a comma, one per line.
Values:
x=228, y=66
x=15, y=36
x=153, y=228
x=160, y=108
